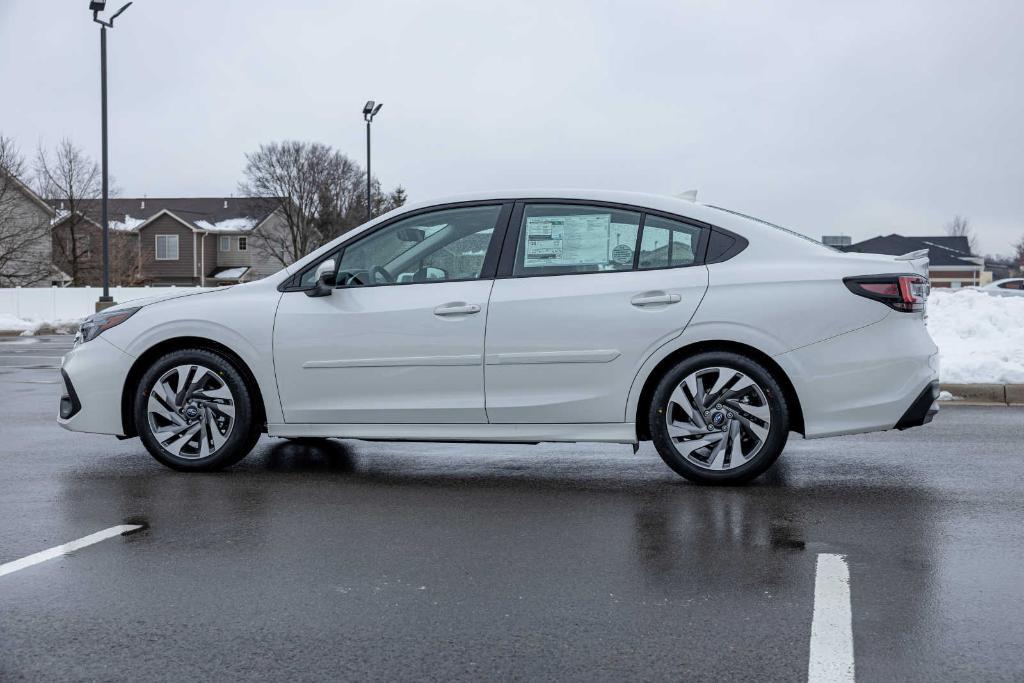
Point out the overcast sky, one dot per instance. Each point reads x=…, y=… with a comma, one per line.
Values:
x=861, y=118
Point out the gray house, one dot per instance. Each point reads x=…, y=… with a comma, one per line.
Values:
x=204, y=241
x=25, y=220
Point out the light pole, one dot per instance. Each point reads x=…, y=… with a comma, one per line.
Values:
x=97, y=6
x=369, y=111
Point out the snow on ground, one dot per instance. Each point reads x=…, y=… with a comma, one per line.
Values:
x=980, y=336
x=27, y=328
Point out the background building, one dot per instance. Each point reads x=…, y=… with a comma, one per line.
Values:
x=951, y=263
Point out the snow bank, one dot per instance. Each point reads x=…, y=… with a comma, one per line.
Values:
x=26, y=328
x=980, y=336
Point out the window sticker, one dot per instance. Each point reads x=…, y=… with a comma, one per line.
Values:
x=568, y=240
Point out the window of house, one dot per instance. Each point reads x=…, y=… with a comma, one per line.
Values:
x=568, y=238
x=225, y=244
x=166, y=247
x=243, y=243
x=667, y=243
x=444, y=245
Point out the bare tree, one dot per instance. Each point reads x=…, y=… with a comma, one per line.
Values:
x=960, y=226
x=72, y=181
x=318, y=190
x=1018, y=251
x=24, y=225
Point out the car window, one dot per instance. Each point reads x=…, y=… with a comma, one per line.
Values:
x=449, y=244
x=1012, y=284
x=562, y=238
x=667, y=243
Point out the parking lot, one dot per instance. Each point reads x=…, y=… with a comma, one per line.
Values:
x=437, y=561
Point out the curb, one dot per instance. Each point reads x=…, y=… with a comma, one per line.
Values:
x=985, y=394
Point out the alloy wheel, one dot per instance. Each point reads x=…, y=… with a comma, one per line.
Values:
x=191, y=411
x=718, y=418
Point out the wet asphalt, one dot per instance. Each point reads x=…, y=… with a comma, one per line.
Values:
x=376, y=561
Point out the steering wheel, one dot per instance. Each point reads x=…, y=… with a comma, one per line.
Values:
x=388, y=279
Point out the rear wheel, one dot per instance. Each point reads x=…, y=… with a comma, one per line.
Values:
x=719, y=418
x=193, y=411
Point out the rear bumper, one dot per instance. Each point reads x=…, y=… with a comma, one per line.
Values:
x=923, y=409
x=866, y=380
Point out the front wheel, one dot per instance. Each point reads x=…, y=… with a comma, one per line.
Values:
x=719, y=418
x=194, y=412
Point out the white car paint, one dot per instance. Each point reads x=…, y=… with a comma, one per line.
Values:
x=560, y=358
x=1011, y=286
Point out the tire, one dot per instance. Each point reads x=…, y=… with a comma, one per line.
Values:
x=739, y=433
x=183, y=411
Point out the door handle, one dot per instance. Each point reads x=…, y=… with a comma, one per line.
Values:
x=655, y=298
x=457, y=308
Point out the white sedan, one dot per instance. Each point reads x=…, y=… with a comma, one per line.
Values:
x=526, y=317
x=1013, y=286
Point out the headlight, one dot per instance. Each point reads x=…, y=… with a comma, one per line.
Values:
x=96, y=324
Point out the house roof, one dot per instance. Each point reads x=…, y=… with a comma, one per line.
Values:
x=943, y=250
x=209, y=214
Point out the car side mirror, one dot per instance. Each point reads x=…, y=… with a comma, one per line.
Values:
x=326, y=279
x=411, y=234
x=324, y=285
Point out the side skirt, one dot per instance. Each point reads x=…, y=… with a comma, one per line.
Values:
x=616, y=432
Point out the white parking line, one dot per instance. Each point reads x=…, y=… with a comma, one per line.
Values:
x=57, y=551
x=831, y=627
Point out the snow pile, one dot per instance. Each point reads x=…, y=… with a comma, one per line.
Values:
x=127, y=225
x=228, y=224
x=980, y=336
x=27, y=328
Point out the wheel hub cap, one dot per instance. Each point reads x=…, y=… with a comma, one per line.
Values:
x=191, y=411
x=718, y=418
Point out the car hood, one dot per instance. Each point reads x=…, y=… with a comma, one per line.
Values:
x=150, y=300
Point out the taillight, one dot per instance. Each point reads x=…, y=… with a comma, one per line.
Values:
x=905, y=293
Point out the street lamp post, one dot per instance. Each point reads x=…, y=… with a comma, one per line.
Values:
x=369, y=111
x=97, y=6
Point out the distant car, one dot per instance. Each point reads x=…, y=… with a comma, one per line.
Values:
x=1013, y=286
x=526, y=317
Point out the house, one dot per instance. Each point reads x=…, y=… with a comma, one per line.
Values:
x=951, y=263
x=204, y=241
x=24, y=234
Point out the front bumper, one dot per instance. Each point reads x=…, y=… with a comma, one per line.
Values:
x=93, y=376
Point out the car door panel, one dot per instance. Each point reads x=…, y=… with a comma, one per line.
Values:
x=565, y=348
x=383, y=354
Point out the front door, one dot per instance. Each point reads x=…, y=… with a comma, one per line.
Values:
x=591, y=293
x=401, y=339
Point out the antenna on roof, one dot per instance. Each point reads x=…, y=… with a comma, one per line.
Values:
x=688, y=196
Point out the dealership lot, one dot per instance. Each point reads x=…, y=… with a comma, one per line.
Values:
x=436, y=561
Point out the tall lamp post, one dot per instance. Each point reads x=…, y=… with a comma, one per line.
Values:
x=97, y=6
x=369, y=111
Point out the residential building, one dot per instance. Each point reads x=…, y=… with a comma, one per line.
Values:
x=175, y=241
x=24, y=234
x=951, y=263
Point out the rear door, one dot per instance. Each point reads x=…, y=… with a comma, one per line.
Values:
x=585, y=292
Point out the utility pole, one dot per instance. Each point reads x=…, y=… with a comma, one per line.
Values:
x=369, y=111
x=97, y=6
